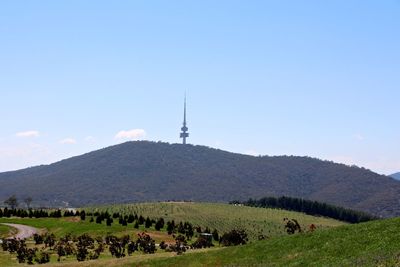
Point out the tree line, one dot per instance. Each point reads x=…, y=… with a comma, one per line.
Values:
x=309, y=207
x=36, y=213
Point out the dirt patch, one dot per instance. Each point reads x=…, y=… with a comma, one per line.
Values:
x=72, y=219
x=161, y=236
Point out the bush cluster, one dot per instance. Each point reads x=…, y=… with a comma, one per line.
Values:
x=83, y=247
x=24, y=254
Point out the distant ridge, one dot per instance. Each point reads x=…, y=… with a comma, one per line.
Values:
x=395, y=175
x=148, y=171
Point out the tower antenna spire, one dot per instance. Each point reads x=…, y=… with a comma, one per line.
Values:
x=184, y=111
x=184, y=133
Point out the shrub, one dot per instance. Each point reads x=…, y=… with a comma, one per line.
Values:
x=180, y=245
x=84, y=243
x=132, y=247
x=234, y=238
x=146, y=244
x=43, y=257
x=215, y=235
x=292, y=226
x=163, y=245
x=202, y=242
x=38, y=239
x=159, y=224
x=49, y=240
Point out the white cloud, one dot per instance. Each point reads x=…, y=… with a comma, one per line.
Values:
x=28, y=134
x=133, y=134
x=68, y=141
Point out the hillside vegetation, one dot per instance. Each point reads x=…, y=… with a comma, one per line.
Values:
x=62, y=227
x=373, y=243
x=309, y=207
x=367, y=244
x=222, y=217
x=148, y=171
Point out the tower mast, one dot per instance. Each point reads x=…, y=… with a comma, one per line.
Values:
x=184, y=133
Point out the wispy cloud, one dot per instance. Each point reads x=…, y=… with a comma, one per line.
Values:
x=90, y=139
x=359, y=137
x=28, y=134
x=251, y=152
x=68, y=141
x=134, y=134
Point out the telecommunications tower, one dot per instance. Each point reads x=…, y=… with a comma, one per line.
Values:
x=184, y=133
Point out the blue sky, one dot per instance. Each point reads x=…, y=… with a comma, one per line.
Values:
x=315, y=78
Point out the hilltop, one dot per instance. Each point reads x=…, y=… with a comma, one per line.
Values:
x=148, y=171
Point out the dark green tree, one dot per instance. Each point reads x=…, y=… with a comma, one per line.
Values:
x=215, y=235
x=148, y=223
x=83, y=215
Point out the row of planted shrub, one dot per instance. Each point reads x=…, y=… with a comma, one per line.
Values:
x=85, y=247
x=136, y=220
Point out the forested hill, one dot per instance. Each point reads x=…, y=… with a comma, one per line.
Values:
x=148, y=171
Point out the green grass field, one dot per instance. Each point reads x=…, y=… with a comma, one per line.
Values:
x=374, y=243
x=62, y=226
x=222, y=217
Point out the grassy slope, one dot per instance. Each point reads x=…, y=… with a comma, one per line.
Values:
x=63, y=226
x=369, y=244
x=220, y=216
x=5, y=231
x=223, y=217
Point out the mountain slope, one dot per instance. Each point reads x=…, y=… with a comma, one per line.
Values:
x=148, y=171
x=395, y=176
